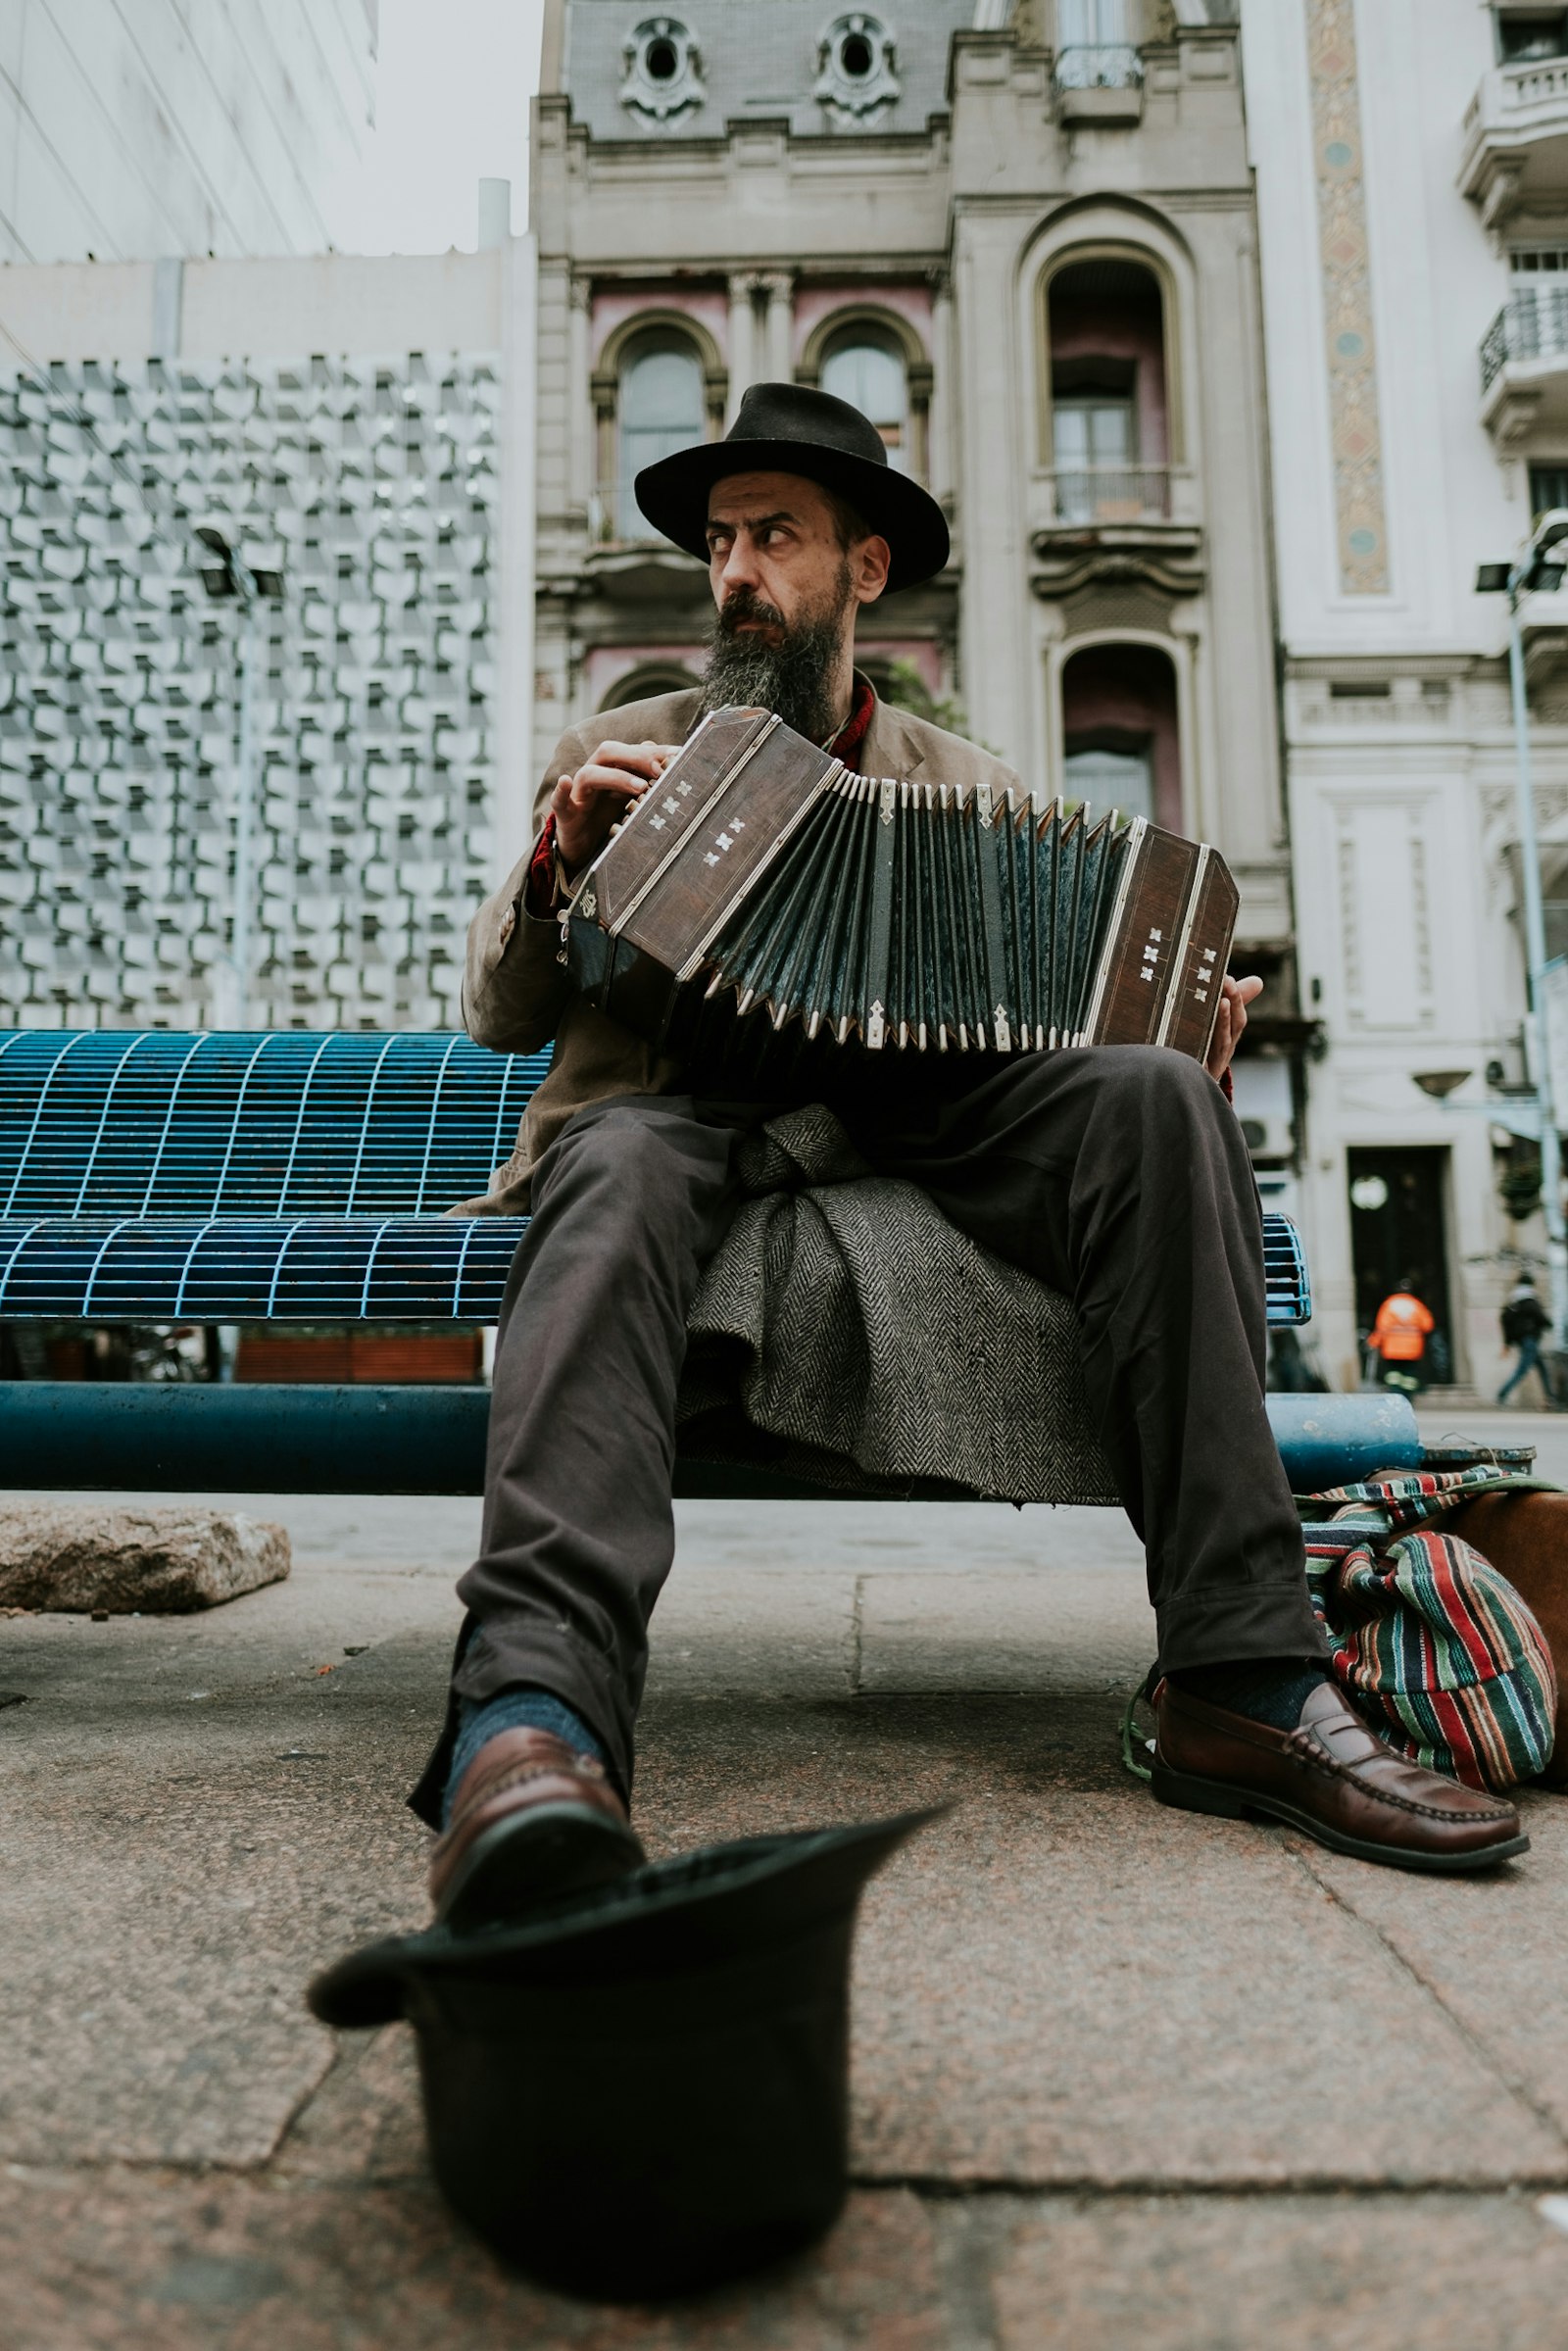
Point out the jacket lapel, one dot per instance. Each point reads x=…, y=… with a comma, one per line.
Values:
x=890, y=748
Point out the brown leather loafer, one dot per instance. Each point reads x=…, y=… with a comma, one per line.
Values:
x=533, y=1823
x=1332, y=1777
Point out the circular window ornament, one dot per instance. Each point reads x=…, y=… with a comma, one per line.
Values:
x=855, y=75
x=664, y=70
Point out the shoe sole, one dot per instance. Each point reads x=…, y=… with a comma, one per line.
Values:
x=1186, y=1794
x=546, y=1855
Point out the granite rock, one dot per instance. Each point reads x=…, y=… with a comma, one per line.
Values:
x=83, y=1556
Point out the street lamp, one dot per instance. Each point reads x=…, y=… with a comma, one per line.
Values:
x=1539, y=567
x=228, y=575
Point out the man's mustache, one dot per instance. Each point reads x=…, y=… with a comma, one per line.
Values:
x=745, y=605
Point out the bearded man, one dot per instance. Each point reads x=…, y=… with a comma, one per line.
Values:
x=1117, y=1175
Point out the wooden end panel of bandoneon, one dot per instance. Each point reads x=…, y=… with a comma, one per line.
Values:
x=1195, y=997
x=657, y=822
x=724, y=849
x=1144, y=942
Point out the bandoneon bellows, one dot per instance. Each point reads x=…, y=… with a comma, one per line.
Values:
x=760, y=897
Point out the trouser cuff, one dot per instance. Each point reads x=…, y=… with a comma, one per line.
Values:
x=491, y=1659
x=1223, y=1627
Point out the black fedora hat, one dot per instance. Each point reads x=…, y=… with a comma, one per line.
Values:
x=788, y=428
x=645, y=2091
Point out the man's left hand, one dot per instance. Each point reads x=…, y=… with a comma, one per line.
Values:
x=1229, y=1024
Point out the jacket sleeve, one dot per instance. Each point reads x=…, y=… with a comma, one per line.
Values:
x=515, y=989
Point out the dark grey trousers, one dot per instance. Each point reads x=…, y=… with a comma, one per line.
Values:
x=1118, y=1176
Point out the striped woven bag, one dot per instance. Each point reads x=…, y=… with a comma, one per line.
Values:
x=1433, y=1648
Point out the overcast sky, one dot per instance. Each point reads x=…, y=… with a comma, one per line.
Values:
x=452, y=83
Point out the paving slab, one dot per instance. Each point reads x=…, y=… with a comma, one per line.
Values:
x=1335, y=2273
x=1494, y=1953
x=1044, y=1628
x=1064, y=1983
x=171, y=1868
x=120, y=2261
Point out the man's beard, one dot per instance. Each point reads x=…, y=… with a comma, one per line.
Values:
x=795, y=676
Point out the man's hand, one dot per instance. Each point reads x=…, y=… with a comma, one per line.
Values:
x=1229, y=1022
x=586, y=805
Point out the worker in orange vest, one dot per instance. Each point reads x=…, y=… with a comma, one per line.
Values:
x=1399, y=1336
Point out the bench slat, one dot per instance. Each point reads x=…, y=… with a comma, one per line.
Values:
x=168, y=1123
x=257, y=1269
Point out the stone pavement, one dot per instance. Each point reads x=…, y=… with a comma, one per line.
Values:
x=1122, y=2078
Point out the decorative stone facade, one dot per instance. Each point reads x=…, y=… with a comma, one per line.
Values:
x=1018, y=255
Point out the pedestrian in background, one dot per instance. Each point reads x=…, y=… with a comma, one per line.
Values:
x=1524, y=1319
x=1399, y=1334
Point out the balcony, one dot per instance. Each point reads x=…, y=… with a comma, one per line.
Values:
x=1516, y=140
x=1099, y=522
x=1111, y=494
x=1524, y=365
x=1101, y=83
x=629, y=561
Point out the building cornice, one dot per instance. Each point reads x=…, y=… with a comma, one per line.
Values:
x=767, y=130
x=1349, y=668
x=713, y=274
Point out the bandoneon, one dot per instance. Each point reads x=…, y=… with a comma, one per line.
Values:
x=761, y=902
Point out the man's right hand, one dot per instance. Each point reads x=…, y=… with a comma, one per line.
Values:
x=586, y=805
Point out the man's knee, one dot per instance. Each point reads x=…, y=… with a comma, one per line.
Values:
x=1154, y=1085
x=634, y=1163
x=1162, y=1108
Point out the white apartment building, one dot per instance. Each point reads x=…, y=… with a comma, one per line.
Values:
x=1412, y=200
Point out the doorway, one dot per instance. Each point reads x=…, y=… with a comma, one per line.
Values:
x=1400, y=1233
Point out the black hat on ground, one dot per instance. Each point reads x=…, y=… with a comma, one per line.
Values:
x=646, y=2091
x=788, y=428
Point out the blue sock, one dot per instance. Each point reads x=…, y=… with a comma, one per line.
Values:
x=1266, y=1690
x=479, y=1719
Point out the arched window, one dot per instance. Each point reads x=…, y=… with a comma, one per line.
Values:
x=661, y=411
x=1116, y=779
x=865, y=366
x=1108, y=434
x=1121, y=738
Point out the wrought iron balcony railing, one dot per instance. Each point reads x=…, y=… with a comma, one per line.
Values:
x=1101, y=66
x=1531, y=325
x=1110, y=494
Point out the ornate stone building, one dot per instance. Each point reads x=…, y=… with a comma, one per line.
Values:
x=1023, y=240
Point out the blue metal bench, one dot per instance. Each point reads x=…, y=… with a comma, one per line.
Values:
x=165, y=1177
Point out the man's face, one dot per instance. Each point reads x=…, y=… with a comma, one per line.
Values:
x=775, y=560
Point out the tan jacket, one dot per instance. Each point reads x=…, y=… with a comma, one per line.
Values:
x=515, y=992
